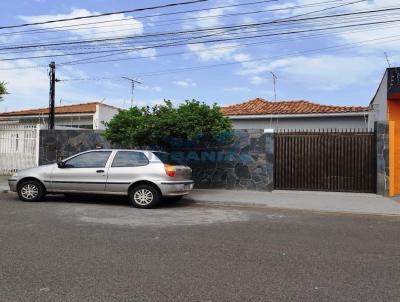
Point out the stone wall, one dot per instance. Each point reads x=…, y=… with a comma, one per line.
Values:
x=382, y=158
x=58, y=144
x=247, y=163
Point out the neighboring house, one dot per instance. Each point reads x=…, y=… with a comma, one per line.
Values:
x=297, y=115
x=386, y=100
x=386, y=105
x=86, y=116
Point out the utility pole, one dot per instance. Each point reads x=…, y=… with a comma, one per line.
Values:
x=133, y=82
x=52, y=94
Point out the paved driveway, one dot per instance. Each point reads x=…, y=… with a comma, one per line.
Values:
x=91, y=249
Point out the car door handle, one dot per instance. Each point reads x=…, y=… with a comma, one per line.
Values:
x=100, y=171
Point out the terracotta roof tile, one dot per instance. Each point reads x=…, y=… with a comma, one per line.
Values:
x=262, y=107
x=76, y=108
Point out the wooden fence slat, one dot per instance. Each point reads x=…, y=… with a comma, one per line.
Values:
x=326, y=161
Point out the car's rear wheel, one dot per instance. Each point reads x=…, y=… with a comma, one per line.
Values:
x=31, y=190
x=144, y=196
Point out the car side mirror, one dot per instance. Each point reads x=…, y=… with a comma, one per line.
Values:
x=61, y=164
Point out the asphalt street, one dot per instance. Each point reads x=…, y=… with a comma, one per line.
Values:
x=100, y=249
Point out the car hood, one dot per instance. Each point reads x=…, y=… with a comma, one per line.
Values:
x=35, y=170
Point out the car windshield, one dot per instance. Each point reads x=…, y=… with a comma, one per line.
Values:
x=168, y=158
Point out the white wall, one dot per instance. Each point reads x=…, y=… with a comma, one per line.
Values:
x=75, y=120
x=304, y=123
x=103, y=113
x=379, y=102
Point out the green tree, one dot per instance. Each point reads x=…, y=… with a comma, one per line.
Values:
x=166, y=126
x=3, y=90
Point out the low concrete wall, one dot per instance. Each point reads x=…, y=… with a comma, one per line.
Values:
x=382, y=158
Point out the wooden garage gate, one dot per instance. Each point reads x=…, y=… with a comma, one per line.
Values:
x=325, y=161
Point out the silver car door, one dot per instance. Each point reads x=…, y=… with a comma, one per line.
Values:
x=85, y=172
x=127, y=166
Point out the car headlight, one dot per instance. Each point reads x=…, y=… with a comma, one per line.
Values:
x=15, y=175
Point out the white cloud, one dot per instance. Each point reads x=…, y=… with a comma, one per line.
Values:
x=29, y=88
x=25, y=86
x=184, y=83
x=220, y=51
x=209, y=18
x=317, y=72
x=127, y=27
x=326, y=72
x=150, y=88
x=148, y=52
x=241, y=57
x=362, y=34
x=237, y=89
x=256, y=80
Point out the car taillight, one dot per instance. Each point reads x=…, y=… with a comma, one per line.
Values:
x=170, y=170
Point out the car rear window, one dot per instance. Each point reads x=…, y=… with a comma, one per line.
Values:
x=129, y=159
x=168, y=158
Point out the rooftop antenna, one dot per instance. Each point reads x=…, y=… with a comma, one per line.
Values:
x=133, y=82
x=274, y=78
x=387, y=59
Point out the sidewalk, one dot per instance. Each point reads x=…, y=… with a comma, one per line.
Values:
x=353, y=203
x=4, y=183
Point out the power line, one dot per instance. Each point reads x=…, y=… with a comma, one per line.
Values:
x=198, y=51
x=111, y=45
x=338, y=47
x=104, y=14
x=194, y=43
x=316, y=50
x=66, y=27
x=283, y=20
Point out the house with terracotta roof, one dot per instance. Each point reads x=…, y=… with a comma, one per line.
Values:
x=85, y=116
x=297, y=115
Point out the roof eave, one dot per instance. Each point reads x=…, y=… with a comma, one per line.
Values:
x=41, y=115
x=257, y=116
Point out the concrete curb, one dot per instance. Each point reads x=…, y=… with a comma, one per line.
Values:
x=4, y=189
x=264, y=206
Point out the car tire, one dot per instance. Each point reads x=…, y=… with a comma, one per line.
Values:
x=31, y=190
x=144, y=196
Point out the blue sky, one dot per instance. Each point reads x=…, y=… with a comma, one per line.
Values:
x=327, y=75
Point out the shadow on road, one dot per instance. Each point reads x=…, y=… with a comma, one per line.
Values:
x=110, y=200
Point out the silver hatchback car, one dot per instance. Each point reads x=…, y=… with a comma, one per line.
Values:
x=145, y=176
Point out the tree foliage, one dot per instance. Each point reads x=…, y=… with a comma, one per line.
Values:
x=166, y=126
x=3, y=90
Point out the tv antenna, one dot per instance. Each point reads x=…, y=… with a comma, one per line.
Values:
x=387, y=59
x=133, y=83
x=274, y=78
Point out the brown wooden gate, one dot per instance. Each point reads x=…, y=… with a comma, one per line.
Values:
x=325, y=161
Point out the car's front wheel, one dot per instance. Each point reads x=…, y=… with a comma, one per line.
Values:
x=31, y=190
x=144, y=196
